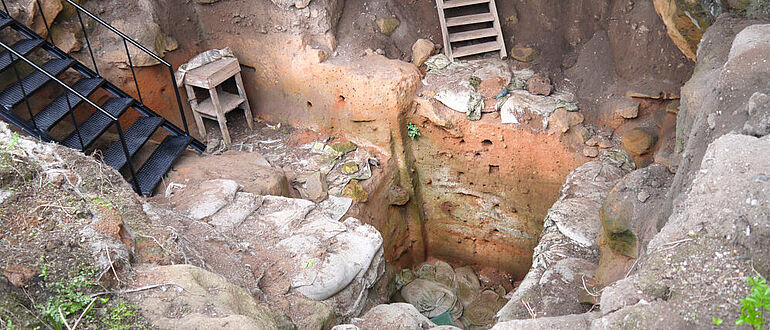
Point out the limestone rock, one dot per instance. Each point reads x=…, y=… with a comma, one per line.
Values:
x=566, y=322
x=524, y=54
x=421, y=50
x=208, y=198
x=388, y=25
x=639, y=140
x=312, y=186
x=540, y=84
x=233, y=214
x=199, y=292
x=562, y=120
x=626, y=109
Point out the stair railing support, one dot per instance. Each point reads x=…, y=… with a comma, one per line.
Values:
x=45, y=22
x=179, y=100
x=131, y=64
x=23, y=93
x=88, y=43
x=134, y=181
x=74, y=122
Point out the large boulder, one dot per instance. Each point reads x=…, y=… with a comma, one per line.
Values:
x=685, y=22
x=192, y=297
x=717, y=235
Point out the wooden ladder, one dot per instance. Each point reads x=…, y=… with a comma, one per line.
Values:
x=470, y=28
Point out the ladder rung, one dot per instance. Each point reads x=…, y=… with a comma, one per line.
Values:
x=470, y=19
x=462, y=3
x=475, y=49
x=472, y=34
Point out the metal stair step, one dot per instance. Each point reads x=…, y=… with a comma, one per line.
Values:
x=151, y=173
x=56, y=110
x=23, y=47
x=476, y=49
x=472, y=34
x=462, y=3
x=4, y=21
x=11, y=96
x=135, y=137
x=97, y=123
x=470, y=19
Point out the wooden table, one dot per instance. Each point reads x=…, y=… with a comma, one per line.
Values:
x=209, y=77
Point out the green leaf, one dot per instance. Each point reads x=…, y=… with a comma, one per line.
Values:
x=716, y=320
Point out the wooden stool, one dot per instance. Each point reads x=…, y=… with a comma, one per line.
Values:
x=210, y=76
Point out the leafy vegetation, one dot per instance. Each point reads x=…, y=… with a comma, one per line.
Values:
x=755, y=304
x=413, y=131
x=120, y=316
x=70, y=298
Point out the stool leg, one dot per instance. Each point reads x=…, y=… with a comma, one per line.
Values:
x=194, y=107
x=220, y=115
x=246, y=107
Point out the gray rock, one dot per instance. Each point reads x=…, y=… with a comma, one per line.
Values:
x=233, y=214
x=566, y=322
x=313, y=186
x=209, y=197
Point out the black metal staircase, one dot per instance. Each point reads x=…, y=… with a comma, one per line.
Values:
x=57, y=121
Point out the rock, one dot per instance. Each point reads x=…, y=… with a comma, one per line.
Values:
x=580, y=134
x=390, y=316
x=644, y=315
x=540, y=84
x=639, y=140
x=233, y=214
x=146, y=33
x=350, y=168
x=445, y=274
x=387, y=25
x=313, y=186
x=51, y=9
x=758, y=108
x=591, y=152
x=562, y=120
x=627, y=223
x=66, y=39
x=19, y=275
x=421, y=50
x=398, y=196
x=286, y=4
x=626, y=109
x=566, y=322
x=207, y=198
x=524, y=54
x=197, y=298
x=685, y=23
x=432, y=299
x=355, y=191
x=312, y=314
x=343, y=147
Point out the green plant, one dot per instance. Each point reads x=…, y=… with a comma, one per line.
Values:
x=716, y=320
x=755, y=304
x=413, y=131
x=70, y=298
x=120, y=316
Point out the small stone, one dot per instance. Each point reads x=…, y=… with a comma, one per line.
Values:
x=639, y=140
x=355, y=191
x=350, y=168
x=642, y=196
x=524, y=54
x=562, y=120
x=591, y=152
x=398, y=196
x=343, y=147
x=421, y=50
x=313, y=187
x=539, y=84
x=605, y=143
x=388, y=25
x=627, y=109
x=581, y=134
x=711, y=121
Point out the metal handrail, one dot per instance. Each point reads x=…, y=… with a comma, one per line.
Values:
x=82, y=97
x=126, y=39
